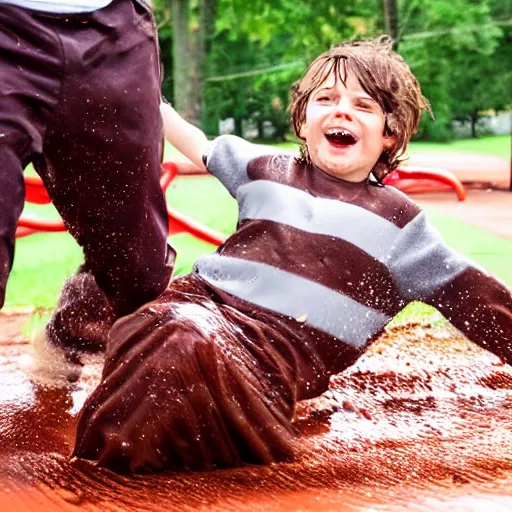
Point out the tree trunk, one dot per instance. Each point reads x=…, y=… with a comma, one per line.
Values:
x=474, y=120
x=259, y=124
x=281, y=127
x=181, y=57
x=238, y=127
x=391, y=18
x=207, y=13
x=511, y=158
x=195, y=77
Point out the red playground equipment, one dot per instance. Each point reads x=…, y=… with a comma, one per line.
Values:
x=409, y=180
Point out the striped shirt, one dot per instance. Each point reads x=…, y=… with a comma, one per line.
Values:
x=59, y=6
x=341, y=257
x=68, y=6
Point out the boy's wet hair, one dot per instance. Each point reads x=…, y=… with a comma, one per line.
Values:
x=384, y=75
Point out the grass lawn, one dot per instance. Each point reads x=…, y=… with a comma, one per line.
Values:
x=43, y=261
x=498, y=145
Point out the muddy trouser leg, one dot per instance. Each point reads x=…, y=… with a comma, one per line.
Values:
x=12, y=196
x=29, y=87
x=190, y=383
x=102, y=163
x=184, y=387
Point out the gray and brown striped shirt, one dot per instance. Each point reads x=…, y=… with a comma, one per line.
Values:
x=341, y=257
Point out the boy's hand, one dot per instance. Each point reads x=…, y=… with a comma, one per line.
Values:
x=185, y=137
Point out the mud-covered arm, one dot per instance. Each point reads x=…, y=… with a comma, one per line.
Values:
x=481, y=307
x=473, y=300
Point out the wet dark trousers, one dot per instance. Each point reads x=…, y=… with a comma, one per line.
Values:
x=79, y=98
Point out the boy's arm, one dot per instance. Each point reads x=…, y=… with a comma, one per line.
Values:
x=481, y=307
x=227, y=157
x=189, y=140
x=473, y=300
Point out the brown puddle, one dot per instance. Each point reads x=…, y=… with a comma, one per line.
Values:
x=422, y=422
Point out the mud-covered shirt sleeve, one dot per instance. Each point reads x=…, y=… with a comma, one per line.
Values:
x=227, y=158
x=473, y=300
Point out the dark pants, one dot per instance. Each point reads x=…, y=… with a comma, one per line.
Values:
x=79, y=98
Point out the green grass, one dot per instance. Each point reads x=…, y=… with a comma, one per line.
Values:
x=490, y=251
x=498, y=145
x=43, y=261
x=206, y=200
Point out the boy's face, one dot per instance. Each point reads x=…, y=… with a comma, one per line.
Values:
x=344, y=129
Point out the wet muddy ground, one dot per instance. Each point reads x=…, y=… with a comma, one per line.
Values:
x=422, y=422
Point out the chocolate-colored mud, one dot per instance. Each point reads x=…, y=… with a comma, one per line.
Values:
x=421, y=422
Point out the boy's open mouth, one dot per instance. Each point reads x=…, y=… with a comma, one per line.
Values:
x=341, y=138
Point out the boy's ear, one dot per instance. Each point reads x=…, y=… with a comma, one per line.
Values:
x=389, y=141
x=302, y=131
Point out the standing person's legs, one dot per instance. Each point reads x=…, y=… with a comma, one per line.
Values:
x=102, y=152
x=30, y=70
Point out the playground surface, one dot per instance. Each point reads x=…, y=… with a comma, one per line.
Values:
x=422, y=422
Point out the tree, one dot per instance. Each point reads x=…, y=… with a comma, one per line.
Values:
x=281, y=36
x=181, y=51
x=207, y=17
x=450, y=46
x=391, y=19
x=190, y=40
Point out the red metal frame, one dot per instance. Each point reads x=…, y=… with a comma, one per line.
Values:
x=416, y=180
x=35, y=192
x=409, y=180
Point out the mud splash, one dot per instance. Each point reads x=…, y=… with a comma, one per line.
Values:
x=422, y=422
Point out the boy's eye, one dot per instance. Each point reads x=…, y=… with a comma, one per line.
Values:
x=366, y=105
x=323, y=98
